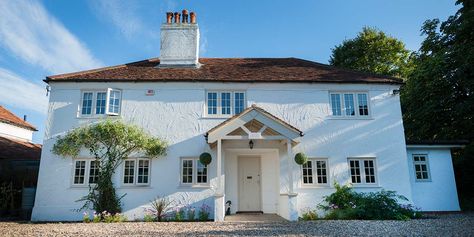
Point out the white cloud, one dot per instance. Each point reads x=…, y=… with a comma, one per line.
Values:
x=30, y=33
x=123, y=15
x=18, y=92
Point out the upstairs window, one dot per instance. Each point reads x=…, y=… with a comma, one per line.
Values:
x=225, y=103
x=349, y=104
x=100, y=102
x=362, y=170
x=420, y=163
x=315, y=172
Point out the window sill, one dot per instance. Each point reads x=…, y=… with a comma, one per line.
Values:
x=315, y=186
x=135, y=187
x=423, y=181
x=366, y=186
x=195, y=186
x=350, y=118
x=217, y=116
x=97, y=116
x=84, y=186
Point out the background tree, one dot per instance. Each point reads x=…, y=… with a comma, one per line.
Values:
x=373, y=51
x=109, y=142
x=438, y=99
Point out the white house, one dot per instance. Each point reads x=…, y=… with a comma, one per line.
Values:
x=253, y=115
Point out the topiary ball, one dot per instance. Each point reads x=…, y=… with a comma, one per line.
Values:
x=301, y=158
x=205, y=158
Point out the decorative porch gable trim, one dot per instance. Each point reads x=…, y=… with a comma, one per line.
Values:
x=222, y=130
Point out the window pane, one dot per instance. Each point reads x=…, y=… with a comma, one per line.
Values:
x=355, y=171
x=369, y=169
x=79, y=172
x=143, y=171
x=307, y=172
x=321, y=172
x=336, y=104
x=363, y=104
x=129, y=172
x=349, y=104
x=114, y=101
x=100, y=102
x=93, y=172
x=86, y=103
x=211, y=103
x=201, y=172
x=239, y=105
x=420, y=163
x=225, y=102
x=187, y=167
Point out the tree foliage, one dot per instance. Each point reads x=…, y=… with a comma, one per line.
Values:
x=373, y=51
x=109, y=142
x=438, y=99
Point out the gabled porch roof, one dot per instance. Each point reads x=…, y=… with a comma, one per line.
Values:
x=254, y=123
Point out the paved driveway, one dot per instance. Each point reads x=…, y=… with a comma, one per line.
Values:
x=446, y=225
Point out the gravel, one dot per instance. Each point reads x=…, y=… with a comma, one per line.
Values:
x=440, y=225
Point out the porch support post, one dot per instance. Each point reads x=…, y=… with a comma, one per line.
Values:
x=292, y=196
x=219, y=197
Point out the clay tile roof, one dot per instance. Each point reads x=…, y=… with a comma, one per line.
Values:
x=16, y=149
x=8, y=117
x=228, y=70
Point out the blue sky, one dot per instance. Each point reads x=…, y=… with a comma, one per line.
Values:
x=40, y=38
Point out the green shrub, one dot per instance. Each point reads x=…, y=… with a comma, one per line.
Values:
x=204, y=212
x=86, y=218
x=191, y=213
x=148, y=218
x=345, y=203
x=179, y=214
x=309, y=215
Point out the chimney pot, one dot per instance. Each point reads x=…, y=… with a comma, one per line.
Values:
x=185, y=16
x=169, y=17
x=193, y=17
x=24, y=117
x=176, y=17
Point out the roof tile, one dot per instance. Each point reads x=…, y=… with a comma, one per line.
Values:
x=228, y=70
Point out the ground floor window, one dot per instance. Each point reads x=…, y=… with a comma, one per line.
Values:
x=315, y=171
x=136, y=171
x=420, y=162
x=85, y=172
x=193, y=172
x=362, y=170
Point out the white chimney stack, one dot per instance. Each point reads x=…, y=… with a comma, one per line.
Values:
x=179, y=41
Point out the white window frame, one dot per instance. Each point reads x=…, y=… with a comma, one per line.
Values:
x=314, y=174
x=107, y=103
x=86, y=173
x=362, y=171
x=194, y=182
x=135, y=173
x=426, y=162
x=93, y=113
x=81, y=105
x=356, y=105
x=219, y=103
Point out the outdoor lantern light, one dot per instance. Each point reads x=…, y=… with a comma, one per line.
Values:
x=251, y=144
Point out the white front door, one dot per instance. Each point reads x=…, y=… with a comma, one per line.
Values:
x=249, y=184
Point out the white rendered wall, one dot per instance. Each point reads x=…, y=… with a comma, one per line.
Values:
x=11, y=131
x=176, y=114
x=439, y=193
x=179, y=44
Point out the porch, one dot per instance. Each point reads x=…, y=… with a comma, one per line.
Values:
x=254, y=161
